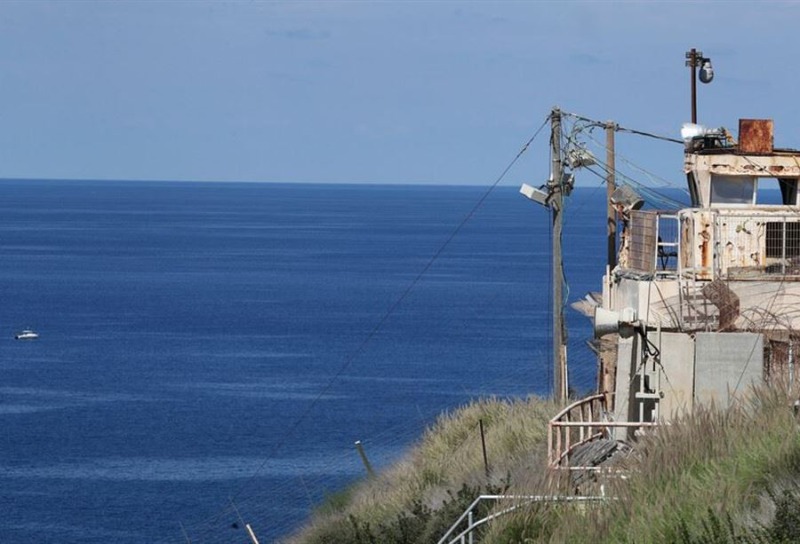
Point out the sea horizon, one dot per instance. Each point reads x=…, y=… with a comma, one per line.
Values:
x=206, y=341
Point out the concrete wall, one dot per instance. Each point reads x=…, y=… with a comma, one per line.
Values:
x=678, y=370
x=727, y=364
x=627, y=360
x=692, y=371
x=656, y=302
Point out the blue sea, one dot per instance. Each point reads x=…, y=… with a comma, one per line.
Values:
x=204, y=345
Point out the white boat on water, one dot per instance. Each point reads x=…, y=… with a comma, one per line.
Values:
x=27, y=334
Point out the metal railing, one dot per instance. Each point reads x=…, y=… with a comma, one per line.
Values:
x=668, y=245
x=653, y=245
x=580, y=423
x=738, y=244
x=466, y=536
x=697, y=312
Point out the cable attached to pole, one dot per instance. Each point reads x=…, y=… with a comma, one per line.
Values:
x=381, y=322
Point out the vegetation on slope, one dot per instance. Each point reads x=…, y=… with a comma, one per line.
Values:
x=418, y=498
x=718, y=476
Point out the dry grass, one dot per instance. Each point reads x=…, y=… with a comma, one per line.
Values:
x=448, y=456
x=702, y=479
x=714, y=465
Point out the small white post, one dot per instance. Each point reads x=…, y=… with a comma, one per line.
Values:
x=250, y=532
x=247, y=527
x=791, y=363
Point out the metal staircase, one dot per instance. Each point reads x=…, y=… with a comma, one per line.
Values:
x=697, y=312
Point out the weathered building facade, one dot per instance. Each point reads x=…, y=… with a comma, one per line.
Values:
x=704, y=301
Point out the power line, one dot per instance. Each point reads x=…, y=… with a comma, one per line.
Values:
x=618, y=128
x=373, y=332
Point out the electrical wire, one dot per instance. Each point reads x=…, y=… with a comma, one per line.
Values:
x=618, y=128
x=583, y=126
x=292, y=428
x=396, y=435
x=648, y=191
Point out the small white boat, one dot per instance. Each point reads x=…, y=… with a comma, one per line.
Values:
x=27, y=334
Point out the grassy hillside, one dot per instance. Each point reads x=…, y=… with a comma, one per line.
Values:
x=418, y=498
x=718, y=476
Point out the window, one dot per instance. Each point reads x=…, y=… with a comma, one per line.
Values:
x=727, y=190
x=776, y=192
x=777, y=232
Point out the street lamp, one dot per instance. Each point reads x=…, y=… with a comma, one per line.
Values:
x=695, y=59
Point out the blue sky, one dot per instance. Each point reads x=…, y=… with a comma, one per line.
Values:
x=383, y=92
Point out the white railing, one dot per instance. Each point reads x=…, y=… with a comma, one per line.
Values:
x=466, y=536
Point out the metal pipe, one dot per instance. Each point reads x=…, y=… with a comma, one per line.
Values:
x=483, y=445
x=524, y=499
x=610, y=187
x=693, y=65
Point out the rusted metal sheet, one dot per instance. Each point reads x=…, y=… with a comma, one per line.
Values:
x=687, y=242
x=777, y=164
x=642, y=241
x=756, y=136
x=704, y=235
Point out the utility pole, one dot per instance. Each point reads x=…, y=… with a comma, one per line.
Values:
x=691, y=61
x=560, y=385
x=611, y=185
x=608, y=369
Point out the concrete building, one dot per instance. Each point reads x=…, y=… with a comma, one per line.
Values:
x=704, y=301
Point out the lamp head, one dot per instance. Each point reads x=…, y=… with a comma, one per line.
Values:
x=626, y=199
x=706, y=71
x=537, y=195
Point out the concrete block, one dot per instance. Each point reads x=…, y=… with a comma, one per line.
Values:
x=726, y=364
